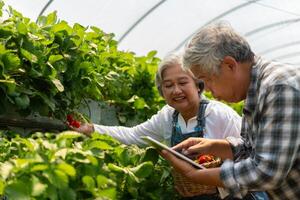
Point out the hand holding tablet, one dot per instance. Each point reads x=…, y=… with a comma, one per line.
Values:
x=161, y=146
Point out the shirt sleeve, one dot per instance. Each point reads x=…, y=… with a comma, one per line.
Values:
x=228, y=121
x=275, y=148
x=153, y=127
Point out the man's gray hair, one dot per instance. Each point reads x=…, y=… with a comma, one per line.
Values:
x=170, y=60
x=212, y=43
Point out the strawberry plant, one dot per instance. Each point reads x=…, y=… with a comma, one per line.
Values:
x=50, y=68
x=71, y=166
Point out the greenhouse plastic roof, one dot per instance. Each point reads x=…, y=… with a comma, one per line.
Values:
x=271, y=26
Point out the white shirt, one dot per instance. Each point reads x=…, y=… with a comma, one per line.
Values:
x=221, y=121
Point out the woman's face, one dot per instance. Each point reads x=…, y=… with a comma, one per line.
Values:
x=179, y=89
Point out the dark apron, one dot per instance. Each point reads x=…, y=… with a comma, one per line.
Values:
x=178, y=137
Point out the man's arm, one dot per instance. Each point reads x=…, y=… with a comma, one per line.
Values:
x=275, y=147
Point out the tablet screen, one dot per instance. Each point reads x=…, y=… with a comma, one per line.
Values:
x=162, y=146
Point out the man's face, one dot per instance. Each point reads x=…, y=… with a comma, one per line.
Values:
x=223, y=86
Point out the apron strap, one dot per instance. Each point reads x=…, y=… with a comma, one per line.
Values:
x=177, y=135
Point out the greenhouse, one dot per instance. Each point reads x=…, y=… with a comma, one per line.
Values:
x=83, y=82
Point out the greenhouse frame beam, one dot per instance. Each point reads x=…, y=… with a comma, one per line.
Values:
x=293, y=43
x=289, y=55
x=140, y=20
x=43, y=10
x=216, y=18
x=268, y=26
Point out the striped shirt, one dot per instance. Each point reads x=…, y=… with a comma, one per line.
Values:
x=267, y=157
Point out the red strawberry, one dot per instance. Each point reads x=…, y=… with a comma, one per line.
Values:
x=70, y=118
x=75, y=123
x=205, y=158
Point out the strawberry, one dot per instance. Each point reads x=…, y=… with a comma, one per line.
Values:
x=72, y=121
x=70, y=118
x=75, y=123
x=205, y=158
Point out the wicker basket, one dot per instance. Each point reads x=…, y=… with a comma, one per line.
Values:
x=188, y=188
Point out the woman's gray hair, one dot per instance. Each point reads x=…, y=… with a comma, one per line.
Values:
x=169, y=60
x=212, y=43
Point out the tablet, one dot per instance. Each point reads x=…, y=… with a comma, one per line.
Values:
x=161, y=146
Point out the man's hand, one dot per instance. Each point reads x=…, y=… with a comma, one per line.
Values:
x=192, y=147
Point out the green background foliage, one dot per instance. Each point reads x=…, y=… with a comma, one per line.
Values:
x=50, y=68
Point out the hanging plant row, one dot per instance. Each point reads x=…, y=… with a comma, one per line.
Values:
x=50, y=68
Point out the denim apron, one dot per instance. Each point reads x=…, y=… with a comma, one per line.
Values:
x=178, y=137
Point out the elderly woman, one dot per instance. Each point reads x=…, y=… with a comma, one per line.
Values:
x=186, y=114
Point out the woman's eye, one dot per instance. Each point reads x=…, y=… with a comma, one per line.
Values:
x=183, y=83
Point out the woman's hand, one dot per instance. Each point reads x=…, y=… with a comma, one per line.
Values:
x=85, y=128
x=179, y=165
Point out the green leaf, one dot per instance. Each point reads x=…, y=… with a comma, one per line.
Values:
x=48, y=100
x=139, y=103
x=68, y=135
x=51, y=18
x=29, y=145
x=54, y=58
x=22, y=101
x=51, y=192
x=58, y=178
x=39, y=167
x=102, y=181
x=99, y=145
x=132, y=178
x=89, y=182
x=62, y=153
x=67, y=194
x=11, y=61
x=2, y=186
x=110, y=193
x=143, y=170
x=133, y=191
x=62, y=26
x=10, y=85
x=116, y=168
x=68, y=169
x=29, y=56
x=21, y=27
x=151, y=54
x=1, y=6
x=19, y=190
x=151, y=154
x=38, y=187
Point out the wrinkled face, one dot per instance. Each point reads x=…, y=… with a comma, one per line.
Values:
x=223, y=86
x=179, y=89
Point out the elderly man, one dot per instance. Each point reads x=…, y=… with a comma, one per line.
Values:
x=267, y=157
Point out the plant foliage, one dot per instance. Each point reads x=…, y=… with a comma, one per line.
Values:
x=50, y=68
